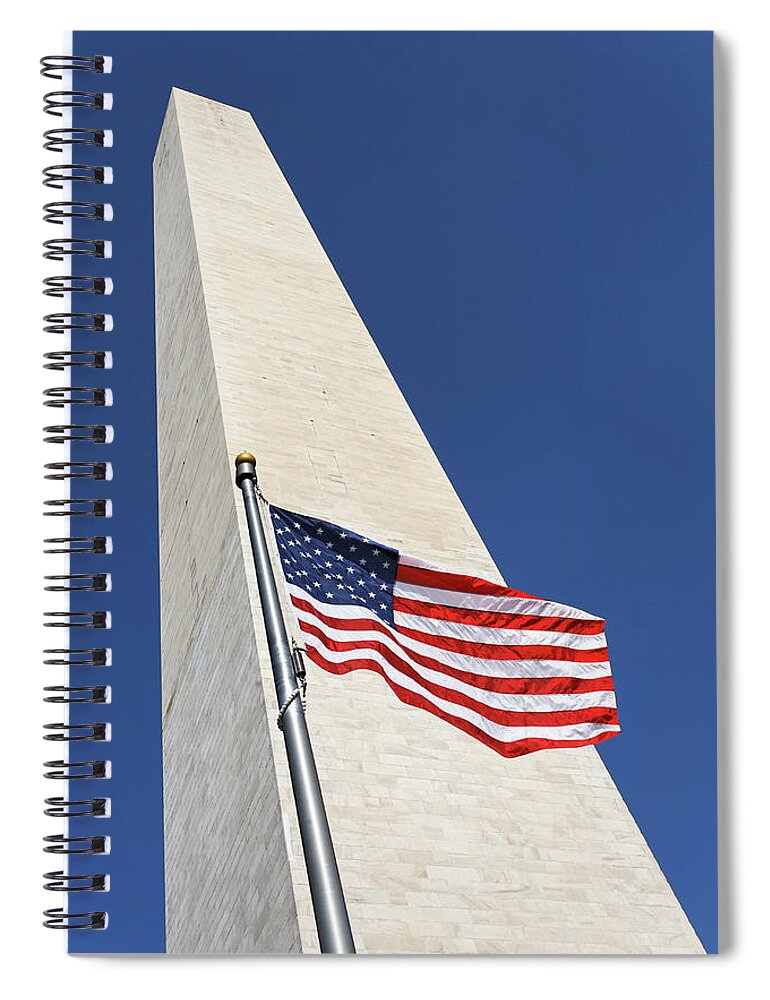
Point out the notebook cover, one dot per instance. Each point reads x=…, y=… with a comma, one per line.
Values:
x=524, y=222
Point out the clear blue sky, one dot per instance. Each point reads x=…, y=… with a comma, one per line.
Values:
x=524, y=221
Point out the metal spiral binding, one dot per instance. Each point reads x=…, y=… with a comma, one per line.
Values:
x=72, y=395
x=62, y=433
x=58, y=175
x=59, y=844
x=76, y=771
x=74, y=883
x=58, y=211
x=65, y=808
x=76, y=619
x=61, y=248
x=57, y=919
x=77, y=470
x=57, y=100
x=79, y=581
x=57, y=138
x=65, y=284
x=65, y=323
x=54, y=66
x=92, y=694
x=73, y=507
x=91, y=544
x=62, y=732
x=59, y=361
x=86, y=660
x=71, y=657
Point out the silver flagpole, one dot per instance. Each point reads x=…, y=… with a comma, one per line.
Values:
x=331, y=915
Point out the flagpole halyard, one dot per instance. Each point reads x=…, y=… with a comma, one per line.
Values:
x=332, y=921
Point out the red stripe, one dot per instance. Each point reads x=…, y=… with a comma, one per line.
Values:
x=600, y=714
x=501, y=685
x=455, y=581
x=493, y=651
x=516, y=748
x=351, y=624
x=490, y=651
x=498, y=619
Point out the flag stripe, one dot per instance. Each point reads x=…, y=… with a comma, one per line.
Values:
x=481, y=635
x=401, y=673
x=515, y=605
x=497, y=619
x=518, y=652
x=498, y=731
x=442, y=683
x=506, y=748
x=428, y=577
x=350, y=622
x=515, y=671
x=538, y=685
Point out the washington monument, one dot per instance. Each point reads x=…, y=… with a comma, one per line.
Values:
x=442, y=845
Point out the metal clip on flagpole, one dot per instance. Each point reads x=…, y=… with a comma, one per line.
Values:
x=334, y=933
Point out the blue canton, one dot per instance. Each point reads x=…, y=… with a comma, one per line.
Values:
x=334, y=565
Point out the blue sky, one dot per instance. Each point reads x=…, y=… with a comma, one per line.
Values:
x=524, y=221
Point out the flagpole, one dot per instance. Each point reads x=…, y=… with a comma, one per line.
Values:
x=334, y=933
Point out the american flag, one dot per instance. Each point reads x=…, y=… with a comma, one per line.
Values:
x=514, y=671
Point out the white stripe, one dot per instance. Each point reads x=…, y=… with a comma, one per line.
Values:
x=489, y=602
x=505, y=734
x=494, y=699
x=472, y=664
x=420, y=563
x=498, y=636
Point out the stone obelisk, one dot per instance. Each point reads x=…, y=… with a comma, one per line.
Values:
x=443, y=846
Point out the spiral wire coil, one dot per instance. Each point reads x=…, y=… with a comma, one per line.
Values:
x=86, y=661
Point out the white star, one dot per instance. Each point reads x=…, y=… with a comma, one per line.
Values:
x=329, y=595
x=316, y=583
x=376, y=552
x=383, y=586
x=351, y=569
x=327, y=565
x=317, y=552
x=319, y=531
x=352, y=548
x=362, y=562
x=373, y=576
x=371, y=594
x=296, y=526
x=340, y=586
x=339, y=558
x=361, y=583
x=306, y=538
x=327, y=576
x=384, y=607
x=343, y=534
x=386, y=565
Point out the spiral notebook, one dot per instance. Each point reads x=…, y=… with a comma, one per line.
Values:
x=382, y=485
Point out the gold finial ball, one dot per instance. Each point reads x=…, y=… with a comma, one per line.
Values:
x=245, y=456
